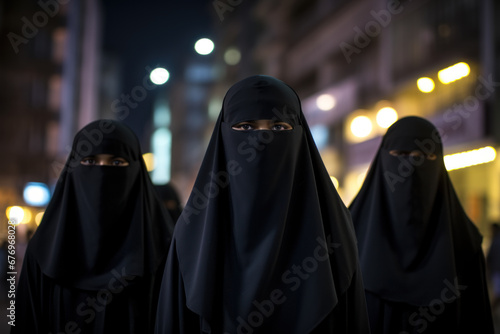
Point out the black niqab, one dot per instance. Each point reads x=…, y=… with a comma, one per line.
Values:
x=258, y=226
x=413, y=234
x=102, y=218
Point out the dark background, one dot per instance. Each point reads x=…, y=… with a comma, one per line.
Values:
x=152, y=33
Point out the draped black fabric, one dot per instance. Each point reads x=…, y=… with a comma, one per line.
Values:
x=101, y=220
x=127, y=304
x=414, y=238
x=264, y=244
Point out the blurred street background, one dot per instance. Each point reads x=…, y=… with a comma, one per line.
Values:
x=357, y=66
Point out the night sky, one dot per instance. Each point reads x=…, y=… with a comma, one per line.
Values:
x=149, y=33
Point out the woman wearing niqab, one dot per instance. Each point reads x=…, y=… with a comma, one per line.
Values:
x=264, y=244
x=421, y=256
x=95, y=263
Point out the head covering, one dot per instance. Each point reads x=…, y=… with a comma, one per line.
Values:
x=261, y=220
x=412, y=232
x=102, y=219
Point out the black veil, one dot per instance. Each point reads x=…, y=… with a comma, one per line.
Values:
x=264, y=230
x=413, y=234
x=102, y=218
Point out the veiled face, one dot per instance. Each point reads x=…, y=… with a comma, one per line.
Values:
x=262, y=124
x=104, y=160
x=413, y=153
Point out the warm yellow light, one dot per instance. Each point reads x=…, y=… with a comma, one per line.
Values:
x=325, y=102
x=232, y=56
x=425, y=85
x=360, y=179
x=361, y=126
x=386, y=116
x=469, y=158
x=15, y=214
x=454, y=73
x=27, y=216
x=149, y=160
x=335, y=182
x=38, y=217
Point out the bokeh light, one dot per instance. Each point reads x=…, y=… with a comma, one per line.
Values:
x=232, y=56
x=149, y=160
x=27, y=216
x=325, y=102
x=321, y=135
x=361, y=126
x=36, y=194
x=386, y=117
x=38, y=217
x=159, y=76
x=15, y=214
x=204, y=46
x=469, y=158
x=425, y=85
x=454, y=73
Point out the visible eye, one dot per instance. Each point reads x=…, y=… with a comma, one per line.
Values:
x=119, y=162
x=398, y=153
x=280, y=126
x=415, y=153
x=243, y=126
x=88, y=161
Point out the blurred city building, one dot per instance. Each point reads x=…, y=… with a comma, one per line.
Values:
x=355, y=65
x=191, y=124
x=49, y=88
